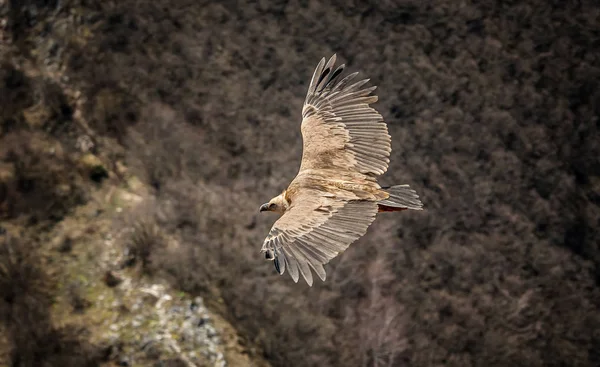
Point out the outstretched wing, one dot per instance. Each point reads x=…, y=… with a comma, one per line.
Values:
x=314, y=230
x=339, y=129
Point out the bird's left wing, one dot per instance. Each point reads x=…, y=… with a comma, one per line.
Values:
x=339, y=129
x=314, y=230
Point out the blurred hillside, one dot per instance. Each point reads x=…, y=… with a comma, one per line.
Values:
x=138, y=138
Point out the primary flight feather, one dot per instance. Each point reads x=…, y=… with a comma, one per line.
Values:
x=335, y=196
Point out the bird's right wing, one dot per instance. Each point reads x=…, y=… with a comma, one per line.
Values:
x=314, y=230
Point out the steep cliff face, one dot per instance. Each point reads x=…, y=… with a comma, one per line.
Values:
x=493, y=111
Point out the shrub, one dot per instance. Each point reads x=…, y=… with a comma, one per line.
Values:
x=145, y=240
x=36, y=178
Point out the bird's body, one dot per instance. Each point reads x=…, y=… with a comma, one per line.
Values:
x=335, y=196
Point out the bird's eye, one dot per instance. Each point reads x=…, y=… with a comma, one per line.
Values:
x=272, y=206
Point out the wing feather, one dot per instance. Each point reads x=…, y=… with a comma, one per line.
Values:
x=292, y=264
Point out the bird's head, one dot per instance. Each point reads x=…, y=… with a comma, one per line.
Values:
x=278, y=204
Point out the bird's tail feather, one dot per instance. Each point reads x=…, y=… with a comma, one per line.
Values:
x=402, y=197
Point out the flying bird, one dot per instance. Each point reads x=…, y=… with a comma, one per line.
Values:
x=335, y=196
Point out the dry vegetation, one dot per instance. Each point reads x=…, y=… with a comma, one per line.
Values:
x=38, y=187
x=36, y=179
x=493, y=110
x=27, y=291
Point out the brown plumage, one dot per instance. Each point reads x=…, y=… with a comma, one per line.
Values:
x=335, y=196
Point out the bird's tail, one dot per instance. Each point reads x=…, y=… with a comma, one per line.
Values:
x=402, y=197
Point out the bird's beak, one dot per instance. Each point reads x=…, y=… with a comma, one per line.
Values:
x=264, y=207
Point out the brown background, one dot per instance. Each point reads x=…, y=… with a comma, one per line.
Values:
x=493, y=111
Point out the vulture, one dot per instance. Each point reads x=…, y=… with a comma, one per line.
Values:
x=335, y=196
